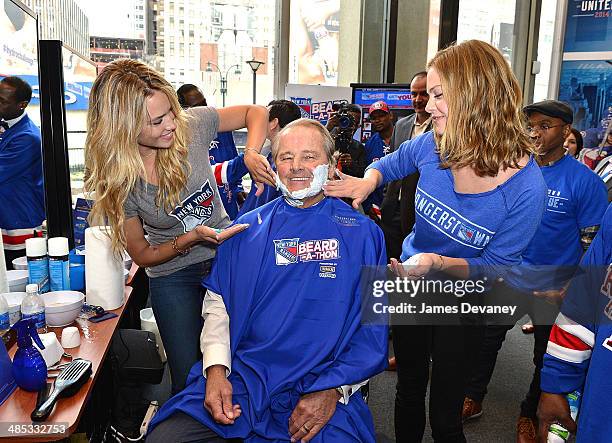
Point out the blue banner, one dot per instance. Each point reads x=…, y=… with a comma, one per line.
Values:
x=588, y=26
x=394, y=98
x=76, y=95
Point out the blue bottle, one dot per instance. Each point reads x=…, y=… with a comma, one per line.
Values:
x=29, y=367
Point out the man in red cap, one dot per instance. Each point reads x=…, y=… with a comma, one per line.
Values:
x=376, y=147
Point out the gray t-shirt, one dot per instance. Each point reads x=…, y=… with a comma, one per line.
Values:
x=200, y=201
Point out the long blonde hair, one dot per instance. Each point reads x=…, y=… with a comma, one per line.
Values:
x=116, y=116
x=485, y=123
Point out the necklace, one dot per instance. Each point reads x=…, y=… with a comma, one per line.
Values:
x=149, y=154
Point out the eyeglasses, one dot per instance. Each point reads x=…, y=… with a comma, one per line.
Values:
x=542, y=128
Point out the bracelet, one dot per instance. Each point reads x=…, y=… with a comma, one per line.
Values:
x=441, y=262
x=251, y=149
x=176, y=248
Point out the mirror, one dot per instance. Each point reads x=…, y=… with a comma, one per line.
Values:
x=21, y=184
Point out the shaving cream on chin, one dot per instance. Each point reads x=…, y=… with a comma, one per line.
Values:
x=296, y=198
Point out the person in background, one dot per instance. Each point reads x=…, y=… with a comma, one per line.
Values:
x=147, y=162
x=479, y=201
x=221, y=149
x=397, y=210
x=376, y=147
x=577, y=200
x=579, y=352
x=21, y=172
x=285, y=349
x=573, y=143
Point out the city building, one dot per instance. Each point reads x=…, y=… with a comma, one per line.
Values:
x=62, y=20
x=209, y=42
x=106, y=49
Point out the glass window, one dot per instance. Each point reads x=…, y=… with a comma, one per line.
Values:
x=545, y=47
x=489, y=20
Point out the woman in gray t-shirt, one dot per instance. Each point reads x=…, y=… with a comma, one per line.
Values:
x=147, y=161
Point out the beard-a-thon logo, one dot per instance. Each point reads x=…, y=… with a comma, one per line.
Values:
x=196, y=208
x=291, y=250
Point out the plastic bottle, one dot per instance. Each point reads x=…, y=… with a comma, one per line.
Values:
x=556, y=432
x=4, y=317
x=33, y=306
x=3, y=278
x=38, y=262
x=29, y=367
x=59, y=264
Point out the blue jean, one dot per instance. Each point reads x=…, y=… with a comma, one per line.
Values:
x=176, y=300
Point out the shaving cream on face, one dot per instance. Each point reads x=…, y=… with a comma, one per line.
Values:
x=296, y=198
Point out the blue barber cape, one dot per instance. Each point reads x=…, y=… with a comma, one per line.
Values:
x=291, y=287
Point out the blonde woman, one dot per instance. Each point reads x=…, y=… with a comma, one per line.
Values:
x=147, y=162
x=479, y=200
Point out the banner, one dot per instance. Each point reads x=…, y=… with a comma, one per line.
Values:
x=316, y=102
x=586, y=71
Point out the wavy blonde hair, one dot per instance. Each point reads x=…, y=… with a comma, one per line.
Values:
x=116, y=116
x=485, y=123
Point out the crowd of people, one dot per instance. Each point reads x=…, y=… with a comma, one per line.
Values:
x=258, y=295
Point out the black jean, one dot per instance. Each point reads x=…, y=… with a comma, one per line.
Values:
x=450, y=349
x=543, y=316
x=182, y=428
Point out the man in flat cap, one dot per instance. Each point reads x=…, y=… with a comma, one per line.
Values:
x=577, y=200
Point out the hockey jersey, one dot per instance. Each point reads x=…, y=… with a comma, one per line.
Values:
x=221, y=150
x=579, y=352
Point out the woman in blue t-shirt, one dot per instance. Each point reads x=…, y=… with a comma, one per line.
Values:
x=479, y=200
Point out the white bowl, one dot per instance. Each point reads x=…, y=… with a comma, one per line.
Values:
x=20, y=263
x=17, y=280
x=14, y=304
x=62, y=307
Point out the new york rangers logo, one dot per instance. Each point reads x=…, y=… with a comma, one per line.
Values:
x=465, y=233
x=286, y=251
x=196, y=208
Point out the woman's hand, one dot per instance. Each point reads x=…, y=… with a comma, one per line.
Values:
x=417, y=266
x=259, y=168
x=217, y=236
x=356, y=188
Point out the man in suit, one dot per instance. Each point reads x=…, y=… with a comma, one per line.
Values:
x=21, y=172
x=398, y=205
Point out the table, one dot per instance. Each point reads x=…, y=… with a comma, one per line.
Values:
x=95, y=342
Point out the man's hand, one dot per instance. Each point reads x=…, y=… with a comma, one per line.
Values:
x=332, y=122
x=218, y=401
x=553, y=408
x=312, y=412
x=259, y=167
x=554, y=296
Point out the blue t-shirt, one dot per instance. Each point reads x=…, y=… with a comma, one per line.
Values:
x=375, y=149
x=221, y=149
x=488, y=229
x=577, y=198
x=579, y=352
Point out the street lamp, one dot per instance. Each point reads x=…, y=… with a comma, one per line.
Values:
x=255, y=65
x=209, y=66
